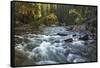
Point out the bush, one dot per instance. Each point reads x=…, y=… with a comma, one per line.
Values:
x=51, y=19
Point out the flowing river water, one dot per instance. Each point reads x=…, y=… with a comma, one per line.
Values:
x=56, y=45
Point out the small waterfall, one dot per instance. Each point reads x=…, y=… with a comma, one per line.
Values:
x=47, y=51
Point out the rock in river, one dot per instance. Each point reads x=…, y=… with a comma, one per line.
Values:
x=62, y=34
x=68, y=40
x=85, y=37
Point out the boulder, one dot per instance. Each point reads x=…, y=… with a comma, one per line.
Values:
x=26, y=40
x=30, y=46
x=68, y=40
x=62, y=34
x=18, y=40
x=85, y=37
x=93, y=36
x=74, y=35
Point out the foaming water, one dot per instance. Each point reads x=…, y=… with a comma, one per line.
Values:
x=50, y=48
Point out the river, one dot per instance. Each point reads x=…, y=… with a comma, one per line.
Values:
x=56, y=45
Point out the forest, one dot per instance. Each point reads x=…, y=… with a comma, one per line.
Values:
x=48, y=33
x=34, y=16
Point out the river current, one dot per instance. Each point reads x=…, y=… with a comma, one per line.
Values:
x=55, y=45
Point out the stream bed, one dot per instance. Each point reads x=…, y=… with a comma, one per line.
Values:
x=56, y=45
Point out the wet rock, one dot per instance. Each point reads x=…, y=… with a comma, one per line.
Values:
x=68, y=40
x=93, y=36
x=26, y=40
x=74, y=35
x=57, y=41
x=62, y=34
x=92, y=41
x=85, y=37
x=18, y=40
x=67, y=52
x=86, y=43
x=30, y=46
x=93, y=45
